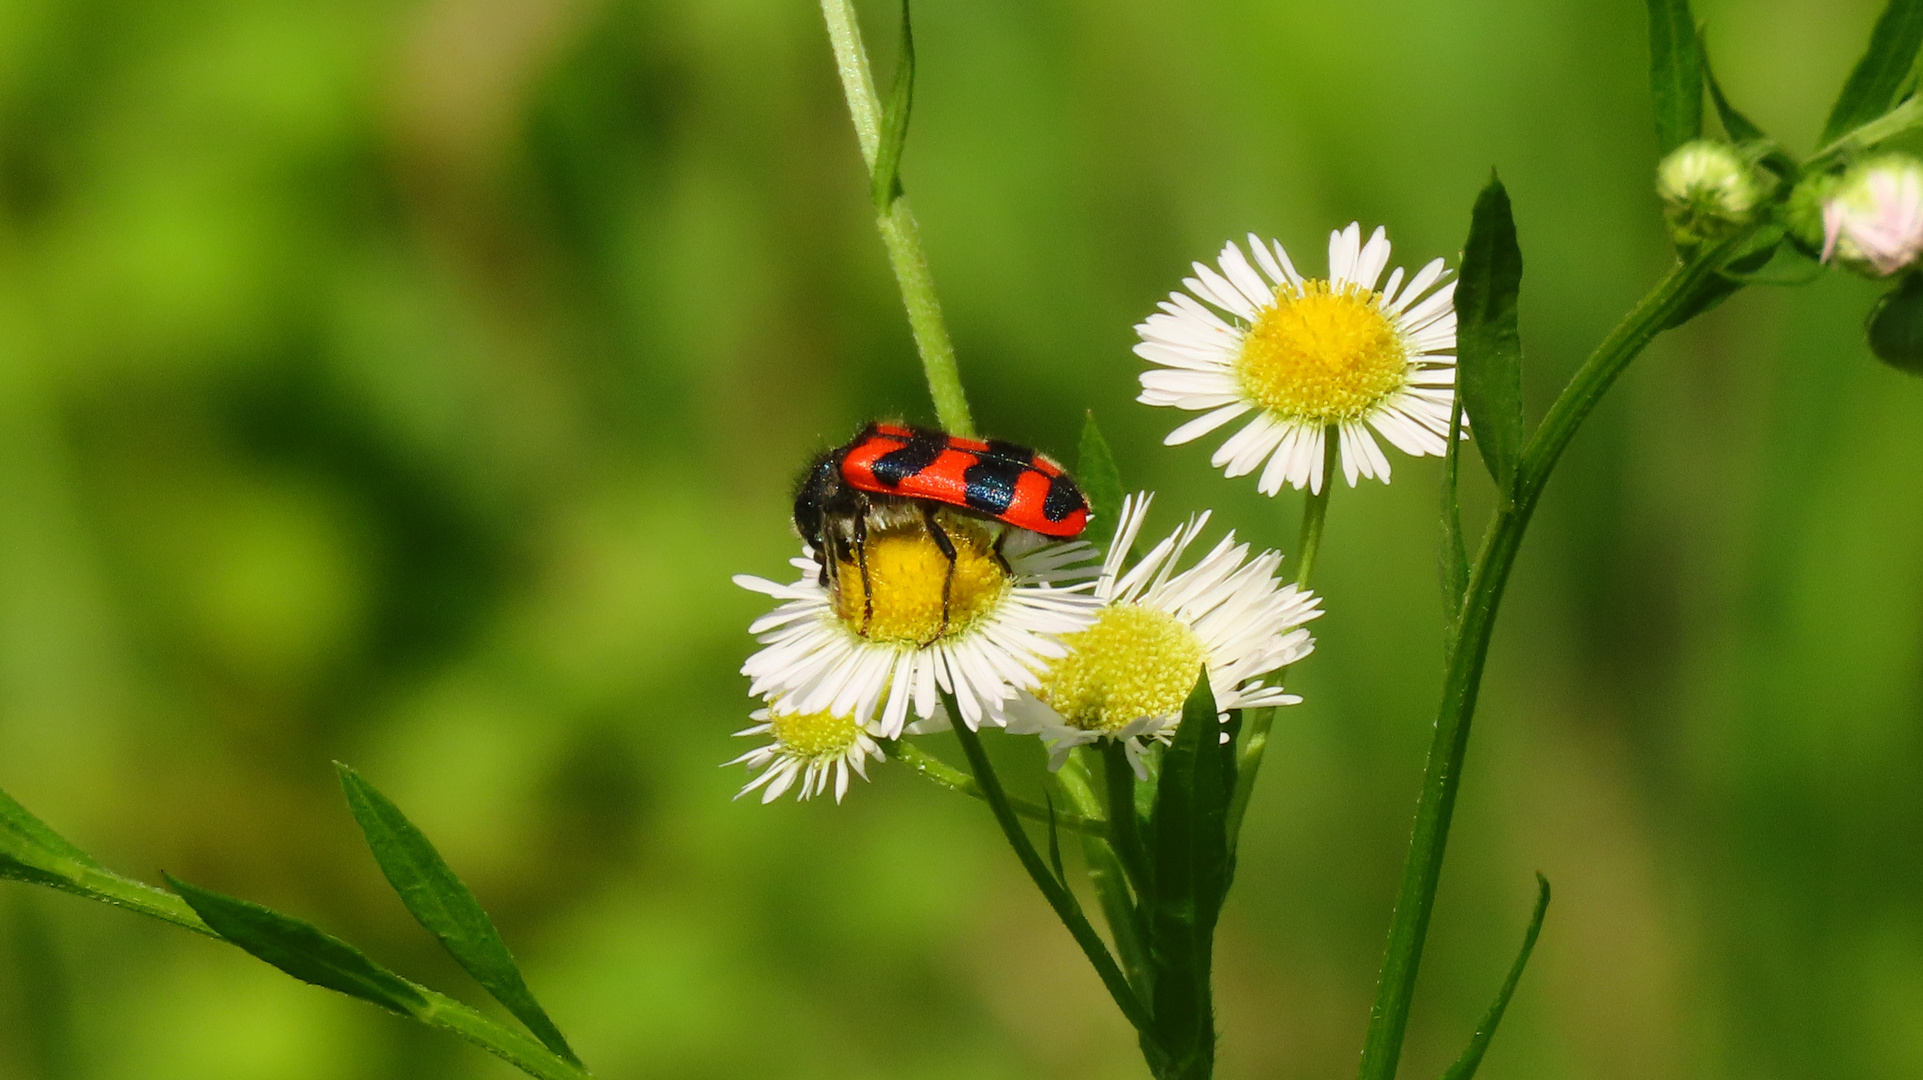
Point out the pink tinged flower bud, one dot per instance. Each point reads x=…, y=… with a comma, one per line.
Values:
x=1875, y=216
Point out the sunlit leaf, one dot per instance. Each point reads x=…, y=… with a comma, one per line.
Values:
x=1881, y=71
x=444, y=906
x=1100, y=481
x=1488, y=342
x=1675, y=79
x=886, y=179
x=300, y=949
x=1471, y=1059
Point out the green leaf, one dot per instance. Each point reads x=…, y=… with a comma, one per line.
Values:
x=1471, y=1059
x=21, y=827
x=1488, y=343
x=886, y=179
x=1100, y=481
x=300, y=949
x=1880, y=73
x=444, y=906
x=1675, y=77
x=1190, y=876
x=1737, y=126
x=1453, y=556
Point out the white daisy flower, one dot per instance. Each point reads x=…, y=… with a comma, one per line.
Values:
x=1128, y=676
x=808, y=748
x=1307, y=355
x=879, y=641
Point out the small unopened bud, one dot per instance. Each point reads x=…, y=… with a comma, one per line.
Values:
x=1708, y=190
x=1873, y=216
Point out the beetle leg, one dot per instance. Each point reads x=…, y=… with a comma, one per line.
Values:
x=947, y=546
x=996, y=550
x=861, y=560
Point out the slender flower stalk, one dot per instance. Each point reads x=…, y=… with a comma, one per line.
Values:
x=1315, y=512
x=899, y=230
x=1468, y=646
x=939, y=772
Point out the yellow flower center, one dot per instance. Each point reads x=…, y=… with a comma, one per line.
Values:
x=1134, y=662
x=900, y=598
x=814, y=735
x=1322, y=356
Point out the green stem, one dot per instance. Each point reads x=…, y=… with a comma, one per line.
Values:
x=1466, y=654
x=1105, y=873
x=1315, y=509
x=40, y=867
x=1315, y=512
x=899, y=230
x=1124, y=827
x=940, y=772
x=1056, y=892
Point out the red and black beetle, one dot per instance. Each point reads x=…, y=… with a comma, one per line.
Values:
x=890, y=474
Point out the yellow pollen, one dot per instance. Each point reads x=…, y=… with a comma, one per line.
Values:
x=814, y=735
x=906, y=572
x=1134, y=662
x=1323, y=356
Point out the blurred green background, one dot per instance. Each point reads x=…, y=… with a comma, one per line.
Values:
x=401, y=383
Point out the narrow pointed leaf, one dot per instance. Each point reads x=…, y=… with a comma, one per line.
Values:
x=1453, y=557
x=1882, y=70
x=1738, y=127
x=1488, y=342
x=1190, y=877
x=444, y=906
x=886, y=179
x=1471, y=1059
x=18, y=827
x=33, y=853
x=1675, y=78
x=1100, y=481
x=300, y=949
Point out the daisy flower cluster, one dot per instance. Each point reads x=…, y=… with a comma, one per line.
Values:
x=1052, y=637
x=1052, y=644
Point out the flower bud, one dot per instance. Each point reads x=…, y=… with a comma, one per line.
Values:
x=1873, y=216
x=1708, y=189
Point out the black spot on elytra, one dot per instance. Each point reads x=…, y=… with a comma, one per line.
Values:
x=991, y=484
x=910, y=458
x=1064, y=498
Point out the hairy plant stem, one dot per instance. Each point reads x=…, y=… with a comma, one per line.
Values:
x=1085, y=820
x=439, y=1011
x=1468, y=647
x=899, y=231
x=1105, y=873
x=1054, y=889
x=1315, y=511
